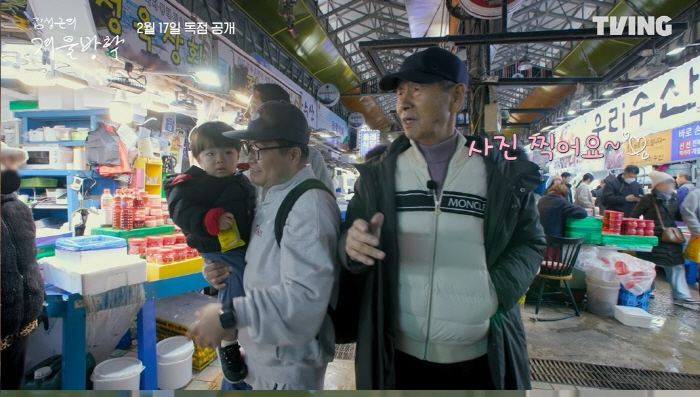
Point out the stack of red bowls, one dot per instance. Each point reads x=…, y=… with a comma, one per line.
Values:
x=649, y=226
x=633, y=227
x=612, y=222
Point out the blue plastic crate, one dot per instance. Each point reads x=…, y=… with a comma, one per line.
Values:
x=691, y=271
x=626, y=298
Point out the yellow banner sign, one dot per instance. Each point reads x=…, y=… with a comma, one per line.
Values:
x=648, y=150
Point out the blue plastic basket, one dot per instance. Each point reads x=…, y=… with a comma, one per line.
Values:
x=626, y=298
x=691, y=272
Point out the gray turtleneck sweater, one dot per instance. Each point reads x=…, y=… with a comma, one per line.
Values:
x=438, y=157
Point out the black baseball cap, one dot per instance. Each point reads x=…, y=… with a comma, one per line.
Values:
x=428, y=66
x=275, y=120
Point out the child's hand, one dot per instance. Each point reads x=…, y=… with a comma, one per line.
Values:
x=226, y=221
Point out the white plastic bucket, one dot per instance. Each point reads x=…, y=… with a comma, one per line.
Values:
x=122, y=373
x=602, y=296
x=174, y=358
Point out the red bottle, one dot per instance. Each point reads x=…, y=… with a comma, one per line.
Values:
x=127, y=211
x=117, y=210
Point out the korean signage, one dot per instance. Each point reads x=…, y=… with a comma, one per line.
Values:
x=328, y=95
x=327, y=120
x=308, y=102
x=667, y=101
x=356, y=120
x=156, y=34
x=685, y=142
x=657, y=147
x=368, y=140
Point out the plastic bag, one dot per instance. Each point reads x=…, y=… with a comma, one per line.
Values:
x=586, y=257
x=635, y=274
x=90, y=243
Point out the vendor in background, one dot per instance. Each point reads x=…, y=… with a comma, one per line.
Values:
x=667, y=255
x=566, y=179
x=554, y=208
x=685, y=186
x=583, y=197
x=22, y=283
x=622, y=193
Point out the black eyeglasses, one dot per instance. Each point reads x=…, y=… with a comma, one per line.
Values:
x=255, y=150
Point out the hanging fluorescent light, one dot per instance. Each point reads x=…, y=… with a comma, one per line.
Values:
x=676, y=50
x=207, y=77
x=608, y=92
x=67, y=80
x=587, y=103
x=571, y=112
x=120, y=110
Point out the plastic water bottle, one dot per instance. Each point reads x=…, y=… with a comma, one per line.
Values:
x=106, y=202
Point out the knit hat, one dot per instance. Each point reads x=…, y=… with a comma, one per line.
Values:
x=658, y=177
x=13, y=152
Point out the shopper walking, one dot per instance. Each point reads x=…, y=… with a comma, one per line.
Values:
x=566, y=179
x=282, y=319
x=667, y=255
x=217, y=223
x=22, y=283
x=274, y=92
x=584, y=198
x=554, y=209
x=685, y=186
x=623, y=192
x=448, y=242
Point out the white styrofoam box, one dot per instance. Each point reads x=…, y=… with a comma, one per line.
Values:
x=633, y=316
x=94, y=277
x=56, y=98
x=84, y=258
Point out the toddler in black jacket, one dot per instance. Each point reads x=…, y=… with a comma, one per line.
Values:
x=214, y=206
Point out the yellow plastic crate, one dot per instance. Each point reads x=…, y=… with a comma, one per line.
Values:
x=159, y=272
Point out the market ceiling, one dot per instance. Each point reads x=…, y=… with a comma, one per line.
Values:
x=329, y=33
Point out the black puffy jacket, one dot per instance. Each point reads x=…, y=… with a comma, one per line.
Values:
x=193, y=193
x=513, y=239
x=22, y=284
x=665, y=254
x=615, y=194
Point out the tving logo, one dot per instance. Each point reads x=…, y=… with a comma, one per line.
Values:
x=636, y=26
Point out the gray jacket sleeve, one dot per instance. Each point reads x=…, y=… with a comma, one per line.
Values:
x=292, y=312
x=318, y=165
x=691, y=205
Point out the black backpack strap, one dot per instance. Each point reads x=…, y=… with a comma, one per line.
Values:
x=291, y=199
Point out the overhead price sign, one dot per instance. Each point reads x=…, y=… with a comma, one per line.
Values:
x=356, y=120
x=328, y=95
x=668, y=101
x=156, y=34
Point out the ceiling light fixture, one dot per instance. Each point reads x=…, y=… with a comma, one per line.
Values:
x=207, y=77
x=612, y=90
x=587, y=103
x=571, y=112
x=680, y=48
x=243, y=97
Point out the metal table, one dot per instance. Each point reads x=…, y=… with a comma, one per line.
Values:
x=71, y=308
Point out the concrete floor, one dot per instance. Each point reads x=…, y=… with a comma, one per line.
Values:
x=672, y=343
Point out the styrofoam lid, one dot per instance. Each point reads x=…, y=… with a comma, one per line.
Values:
x=42, y=372
x=174, y=349
x=633, y=311
x=117, y=368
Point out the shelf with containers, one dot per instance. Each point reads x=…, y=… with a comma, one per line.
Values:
x=71, y=119
x=50, y=181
